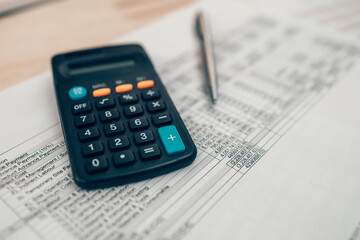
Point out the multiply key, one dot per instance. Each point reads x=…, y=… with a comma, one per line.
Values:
x=155, y=106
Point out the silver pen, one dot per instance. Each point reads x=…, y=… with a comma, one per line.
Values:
x=203, y=31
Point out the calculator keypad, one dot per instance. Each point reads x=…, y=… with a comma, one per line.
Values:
x=85, y=120
x=109, y=115
x=150, y=94
x=123, y=158
x=92, y=149
x=133, y=110
x=138, y=123
x=161, y=119
x=81, y=108
x=88, y=134
x=155, y=106
x=143, y=137
x=112, y=129
x=96, y=164
x=149, y=152
x=128, y=98
x=105, y=103
x=123, y=124
x=118, y=143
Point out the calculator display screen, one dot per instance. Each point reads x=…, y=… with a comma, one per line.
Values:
x=104, y=65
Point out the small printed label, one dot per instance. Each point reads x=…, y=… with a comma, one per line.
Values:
x=99, y=85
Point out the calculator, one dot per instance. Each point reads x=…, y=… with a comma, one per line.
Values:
x=119, y=123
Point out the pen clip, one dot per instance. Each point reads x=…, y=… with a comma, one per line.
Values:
x=201, y=26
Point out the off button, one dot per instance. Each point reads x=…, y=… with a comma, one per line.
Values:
x=77, y=93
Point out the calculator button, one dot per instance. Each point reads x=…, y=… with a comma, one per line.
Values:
x=123, y=158
x=119, y=143
x=85, y=120
x=150, y=152
x=92, y=149
x=171, y=140
x=128, y=98
x=77, y=93
x=96, y=164
x=150, y=94
x=145, y=84
x=101, y=92
x=161, y=119
x=133, y=110
x=104, y=103
x=114, y=129
x=138, y=123
x=88, y=134
x=124, y=88
x=155, y=106
x=144, y=137
x=81, y=108
x=109, y=115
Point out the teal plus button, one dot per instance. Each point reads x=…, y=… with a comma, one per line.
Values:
x=77, y=93
x=171, y=140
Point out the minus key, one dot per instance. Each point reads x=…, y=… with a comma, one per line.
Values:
x=161, y=118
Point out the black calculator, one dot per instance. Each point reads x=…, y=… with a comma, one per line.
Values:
x=119, y=123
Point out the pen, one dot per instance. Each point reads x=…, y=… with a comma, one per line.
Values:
x=208, y=55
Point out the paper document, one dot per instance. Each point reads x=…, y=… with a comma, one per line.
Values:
x=276, y=155
x=340, y=15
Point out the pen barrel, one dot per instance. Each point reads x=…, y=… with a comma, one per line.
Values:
x=210, y=66
x=208, y=54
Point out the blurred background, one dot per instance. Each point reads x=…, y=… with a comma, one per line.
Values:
x=33, y=30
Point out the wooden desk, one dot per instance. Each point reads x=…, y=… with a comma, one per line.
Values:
x=29, y=38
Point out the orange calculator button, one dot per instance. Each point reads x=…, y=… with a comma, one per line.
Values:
x=101, y=92
x=145, y=84
x=124, y=88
